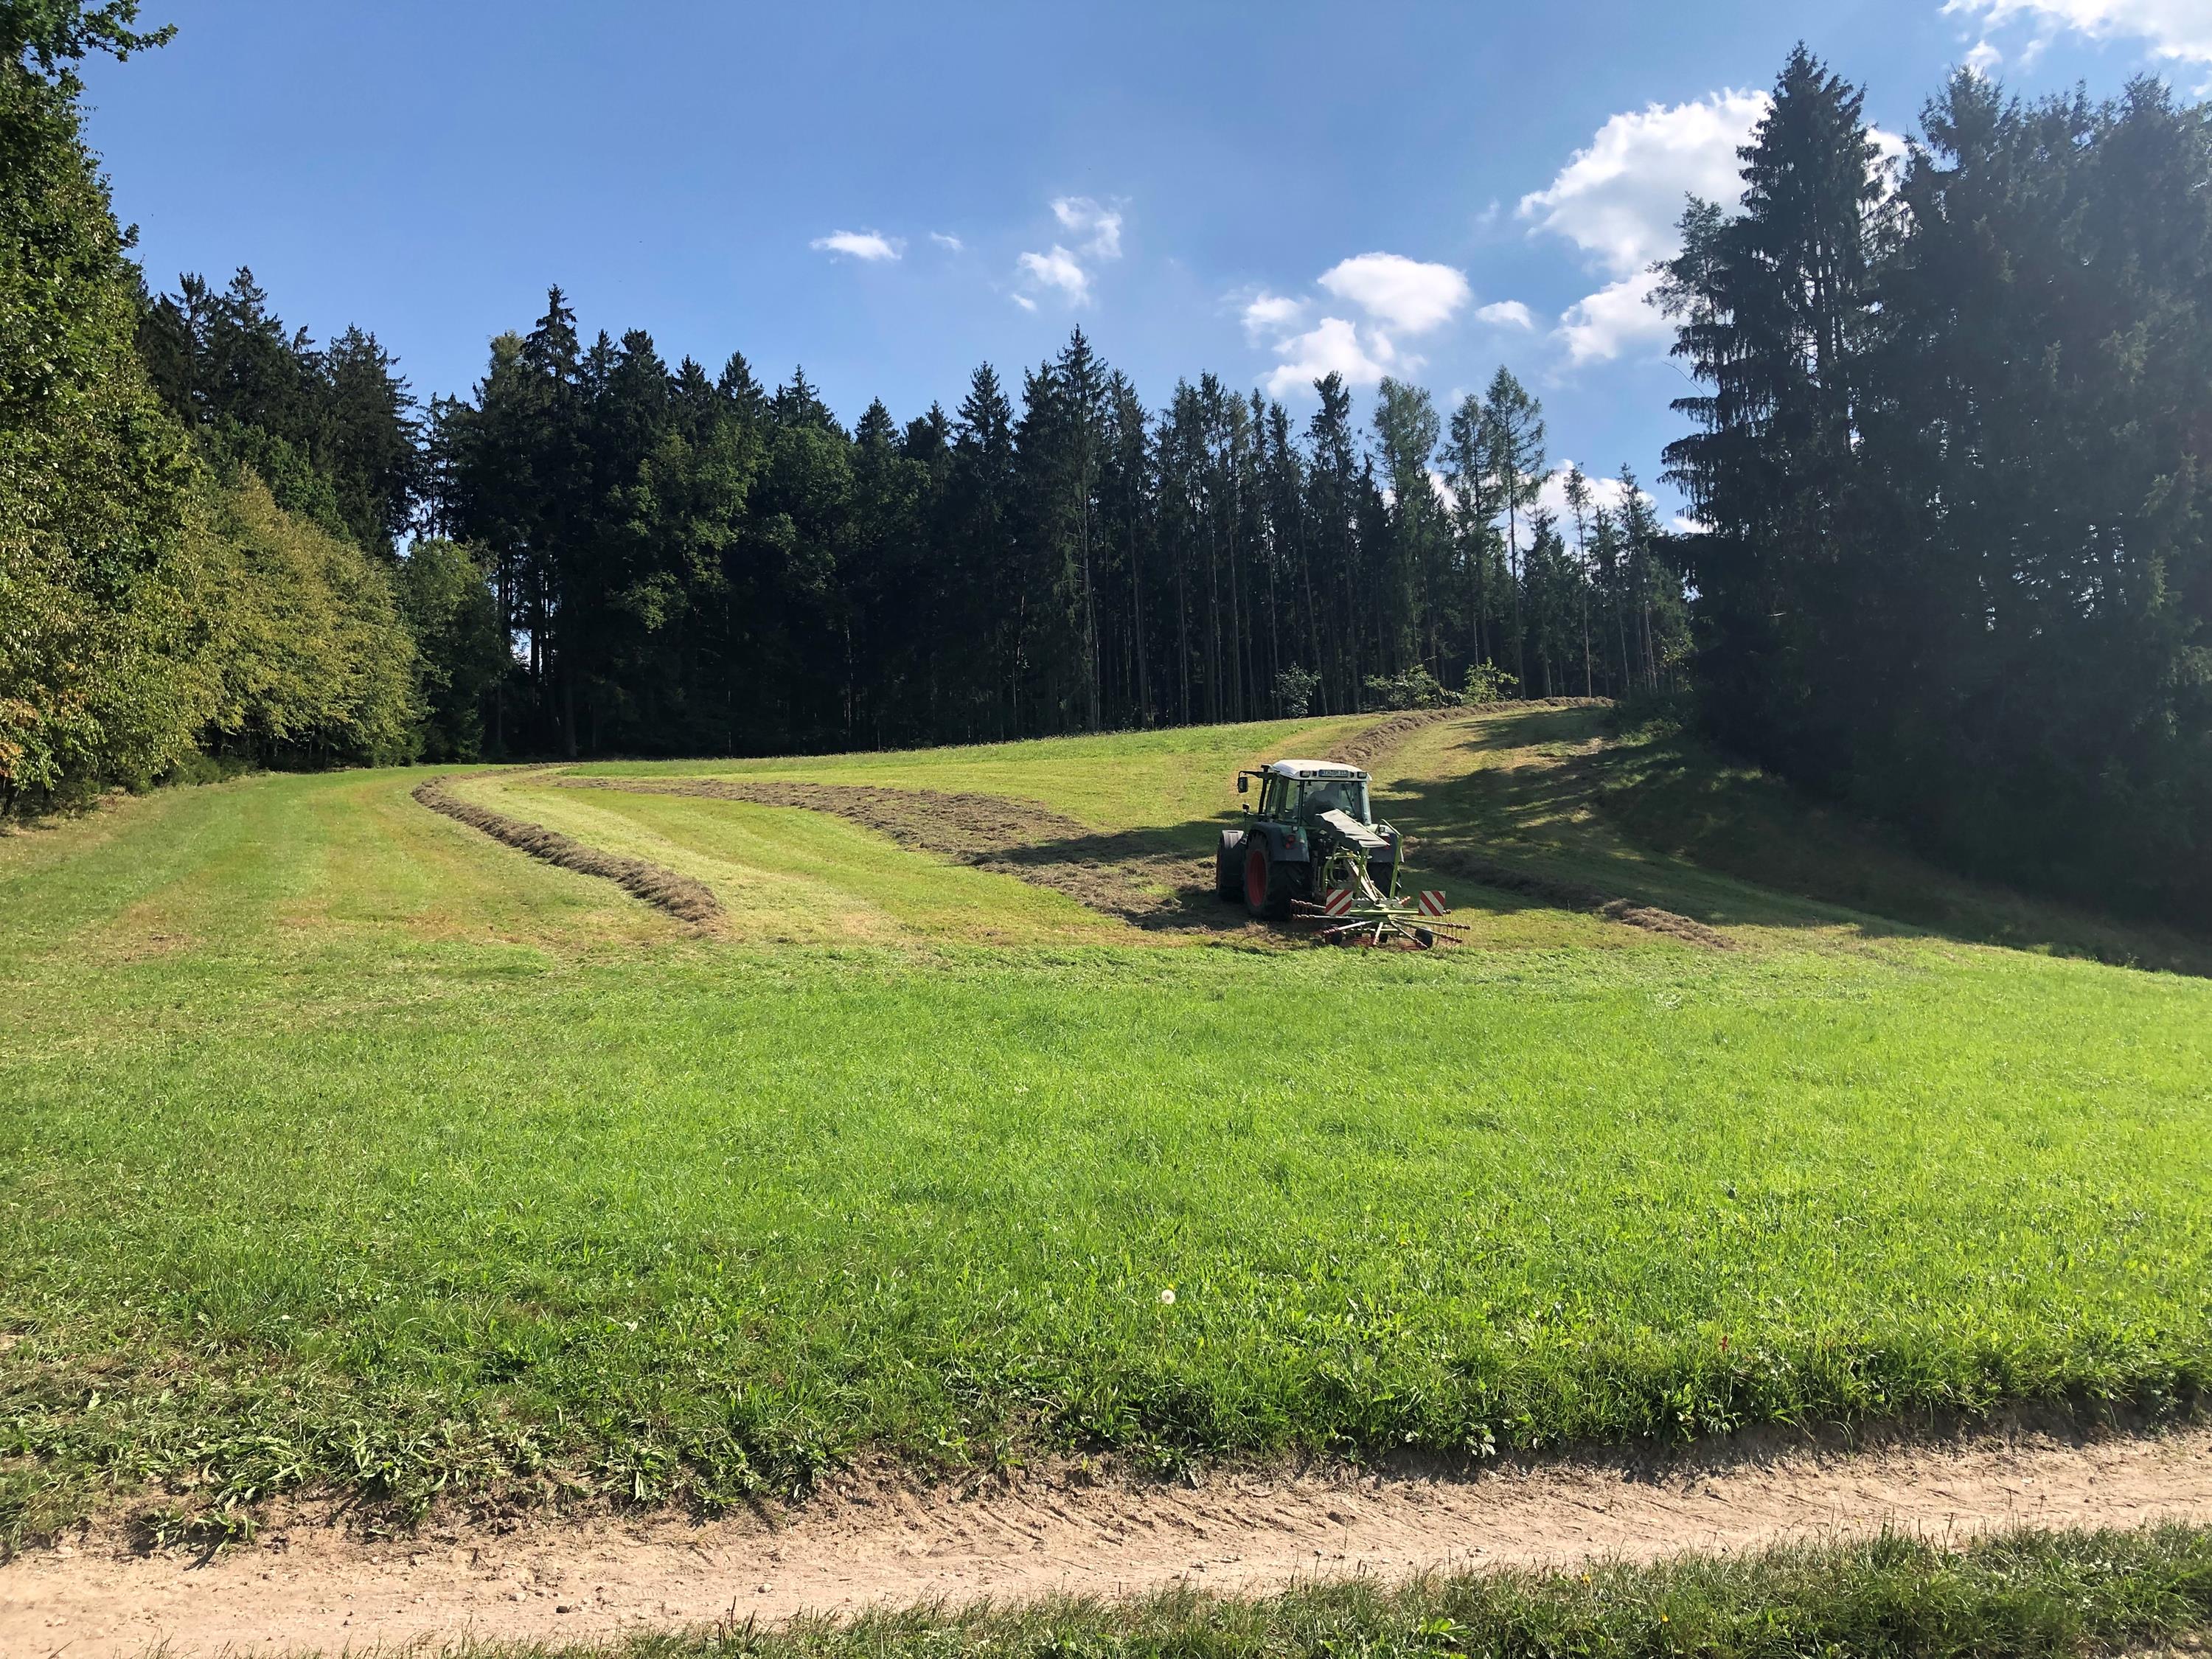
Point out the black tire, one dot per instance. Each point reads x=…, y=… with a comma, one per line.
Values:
x=1228, y=868
x=1269, y=886
x=1424, y=938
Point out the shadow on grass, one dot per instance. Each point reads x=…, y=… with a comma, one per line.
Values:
x=1656, y=816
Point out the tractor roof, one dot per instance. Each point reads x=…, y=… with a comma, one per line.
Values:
x=1306, y=769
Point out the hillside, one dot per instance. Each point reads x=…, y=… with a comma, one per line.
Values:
x=354, y=1150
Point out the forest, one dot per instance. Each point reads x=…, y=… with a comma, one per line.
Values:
x=1950, y=562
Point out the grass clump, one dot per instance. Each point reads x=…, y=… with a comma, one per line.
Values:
x=2027, y=1595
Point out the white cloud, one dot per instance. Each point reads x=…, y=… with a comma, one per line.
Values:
x=1506, y=313
x=945, y=239
x=1406, y=294
x=1267, y=314
x=1619, y=199
x=1983, y=58
x=1061, y=269
x=1024, y=301
x=1082, y=217
x=868, y=245
x=1399, y=295
x=1599, y=327
x=1333, y=346
x=1058, y=269
x=2178, y=30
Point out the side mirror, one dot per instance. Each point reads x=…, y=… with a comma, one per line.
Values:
x=1244, y=782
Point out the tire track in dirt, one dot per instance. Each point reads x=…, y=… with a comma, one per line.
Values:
x=1120, y=875
x=680, y=895
x=1574, y=895
x=1129, y=875
x=1369, y=748
x=309, y=1586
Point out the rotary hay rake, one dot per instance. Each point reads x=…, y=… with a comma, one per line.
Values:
x=1351, y=909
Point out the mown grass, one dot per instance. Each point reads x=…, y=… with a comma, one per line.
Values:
x=2027, y=1595
x=343, y=1145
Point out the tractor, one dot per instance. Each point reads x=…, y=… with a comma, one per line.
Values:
x=1315, y=853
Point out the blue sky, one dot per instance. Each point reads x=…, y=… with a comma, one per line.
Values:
x=890, y=194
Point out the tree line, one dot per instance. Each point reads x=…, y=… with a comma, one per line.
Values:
x=696, y=563
x=278, y=557
x=160, y=609
x=1950, y=456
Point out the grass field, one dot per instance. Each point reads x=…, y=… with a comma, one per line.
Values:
x=341, y=1145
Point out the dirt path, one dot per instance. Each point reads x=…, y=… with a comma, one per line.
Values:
x=1140, y=876
x=307, y=1586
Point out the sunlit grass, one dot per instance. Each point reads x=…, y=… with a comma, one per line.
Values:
x=341, y=1143
x=2025, y=1595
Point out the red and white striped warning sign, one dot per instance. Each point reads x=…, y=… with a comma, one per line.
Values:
x=1337, y=902
x=1433, y=902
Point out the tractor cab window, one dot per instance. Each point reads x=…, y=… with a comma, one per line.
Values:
x=1274, y=797
x=1345, y=795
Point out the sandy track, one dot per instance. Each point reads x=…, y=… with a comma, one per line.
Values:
x=308, y=1586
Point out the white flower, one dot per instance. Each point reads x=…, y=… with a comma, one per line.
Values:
x=1167, y=1298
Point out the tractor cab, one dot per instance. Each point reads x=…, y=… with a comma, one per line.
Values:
x=1293, y=797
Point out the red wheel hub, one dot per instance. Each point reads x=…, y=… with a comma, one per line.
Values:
x=1255, y=877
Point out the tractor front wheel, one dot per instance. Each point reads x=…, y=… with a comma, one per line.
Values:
x=1266, y=884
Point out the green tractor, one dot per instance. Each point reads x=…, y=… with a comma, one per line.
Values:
x=1314, y=852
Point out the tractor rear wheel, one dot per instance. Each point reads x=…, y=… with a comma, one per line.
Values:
x=1268, y=884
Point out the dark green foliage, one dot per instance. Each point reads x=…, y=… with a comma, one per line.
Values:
x=703, y=567
x=55, y=33
x=330, y=430
x=149, y=605
x=101, y=624
x=1958, y=567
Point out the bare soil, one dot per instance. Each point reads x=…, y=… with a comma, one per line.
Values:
x=680, y=895
x=1144, y=877
x=1140, y=876
x=309, y=1584
x=1574, y=895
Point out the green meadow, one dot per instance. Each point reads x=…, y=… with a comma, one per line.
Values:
x=342, y=1146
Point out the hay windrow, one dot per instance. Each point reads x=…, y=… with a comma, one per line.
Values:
x=1574, y=895
x=1120, y=875
x=680, y=895
x=1371, y=744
